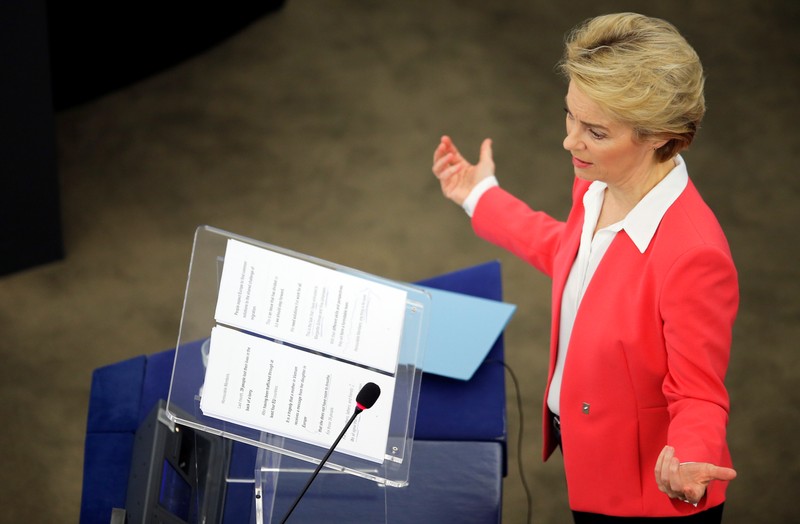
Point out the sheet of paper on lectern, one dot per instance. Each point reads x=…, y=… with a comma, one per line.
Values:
x=261, y=384
x=293, y=345
x=311, y=306
x=462, y=331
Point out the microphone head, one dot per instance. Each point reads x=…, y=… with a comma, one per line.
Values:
x=368, y=395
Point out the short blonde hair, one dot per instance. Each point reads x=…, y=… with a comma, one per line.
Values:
x=643, y=73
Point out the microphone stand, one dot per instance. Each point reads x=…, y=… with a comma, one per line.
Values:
x=322, y=463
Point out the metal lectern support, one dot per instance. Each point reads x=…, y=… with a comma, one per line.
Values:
x=266, y=472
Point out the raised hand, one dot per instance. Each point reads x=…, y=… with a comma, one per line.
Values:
x=457, y=176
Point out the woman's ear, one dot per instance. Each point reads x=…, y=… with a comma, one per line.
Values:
x=658, y=144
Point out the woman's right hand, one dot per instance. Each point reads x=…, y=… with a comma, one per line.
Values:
x=457, y=176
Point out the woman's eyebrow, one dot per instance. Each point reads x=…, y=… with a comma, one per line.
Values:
x=585, y=124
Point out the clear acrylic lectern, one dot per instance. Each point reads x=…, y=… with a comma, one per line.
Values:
x=284, y=458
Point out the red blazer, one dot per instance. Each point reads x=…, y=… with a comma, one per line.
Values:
x=648, y=352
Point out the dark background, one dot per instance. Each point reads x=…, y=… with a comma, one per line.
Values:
x=312, y=127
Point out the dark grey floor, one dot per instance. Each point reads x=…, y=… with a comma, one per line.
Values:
x=313, y=129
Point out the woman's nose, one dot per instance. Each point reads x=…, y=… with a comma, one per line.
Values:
x=571, y=141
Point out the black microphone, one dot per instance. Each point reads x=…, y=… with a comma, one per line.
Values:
x=364, y=400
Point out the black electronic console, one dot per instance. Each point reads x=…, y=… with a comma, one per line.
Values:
x=177, y=476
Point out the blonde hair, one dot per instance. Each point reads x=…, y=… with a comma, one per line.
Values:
x=643, y=73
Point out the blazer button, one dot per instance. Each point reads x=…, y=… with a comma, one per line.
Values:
x=585, y=408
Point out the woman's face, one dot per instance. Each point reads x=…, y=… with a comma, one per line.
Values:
x=602, y=148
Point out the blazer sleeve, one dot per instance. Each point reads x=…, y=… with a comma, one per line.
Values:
x=699, y=301
x=507, y=222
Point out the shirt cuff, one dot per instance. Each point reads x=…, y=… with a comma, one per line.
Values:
x=477, y=192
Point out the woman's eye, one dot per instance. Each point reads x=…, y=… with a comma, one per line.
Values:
x=569, y=115
x=597, y=135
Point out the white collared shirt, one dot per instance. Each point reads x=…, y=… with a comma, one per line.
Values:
x=640, y=224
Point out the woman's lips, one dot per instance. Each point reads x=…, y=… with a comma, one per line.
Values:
x=577, y=162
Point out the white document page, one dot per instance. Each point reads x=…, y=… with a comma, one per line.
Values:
x=311, y=306
x=289, y=392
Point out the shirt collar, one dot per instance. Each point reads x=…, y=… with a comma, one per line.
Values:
x=642, y=221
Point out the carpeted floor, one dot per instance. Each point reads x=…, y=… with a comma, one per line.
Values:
x=313, y=128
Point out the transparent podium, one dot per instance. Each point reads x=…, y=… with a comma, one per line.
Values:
x=286, y=455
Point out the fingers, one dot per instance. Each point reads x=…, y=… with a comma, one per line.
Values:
x=442, y=148
x=687, y=482
x=447, y=161
x=441, y=163
x=662, y=469
x=719, y=473
x=486, y=151
x=676, y=487
x=445, y=147
x=668, y=475
x=659, y=468
x=445, y=158
x=446, y=168
x=457, y=176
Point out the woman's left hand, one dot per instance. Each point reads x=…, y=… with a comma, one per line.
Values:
x=687, y=482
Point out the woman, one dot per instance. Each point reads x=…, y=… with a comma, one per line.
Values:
x=645, y=290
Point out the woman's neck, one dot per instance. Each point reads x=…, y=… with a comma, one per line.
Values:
x=620, y=199
x=629, y=193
